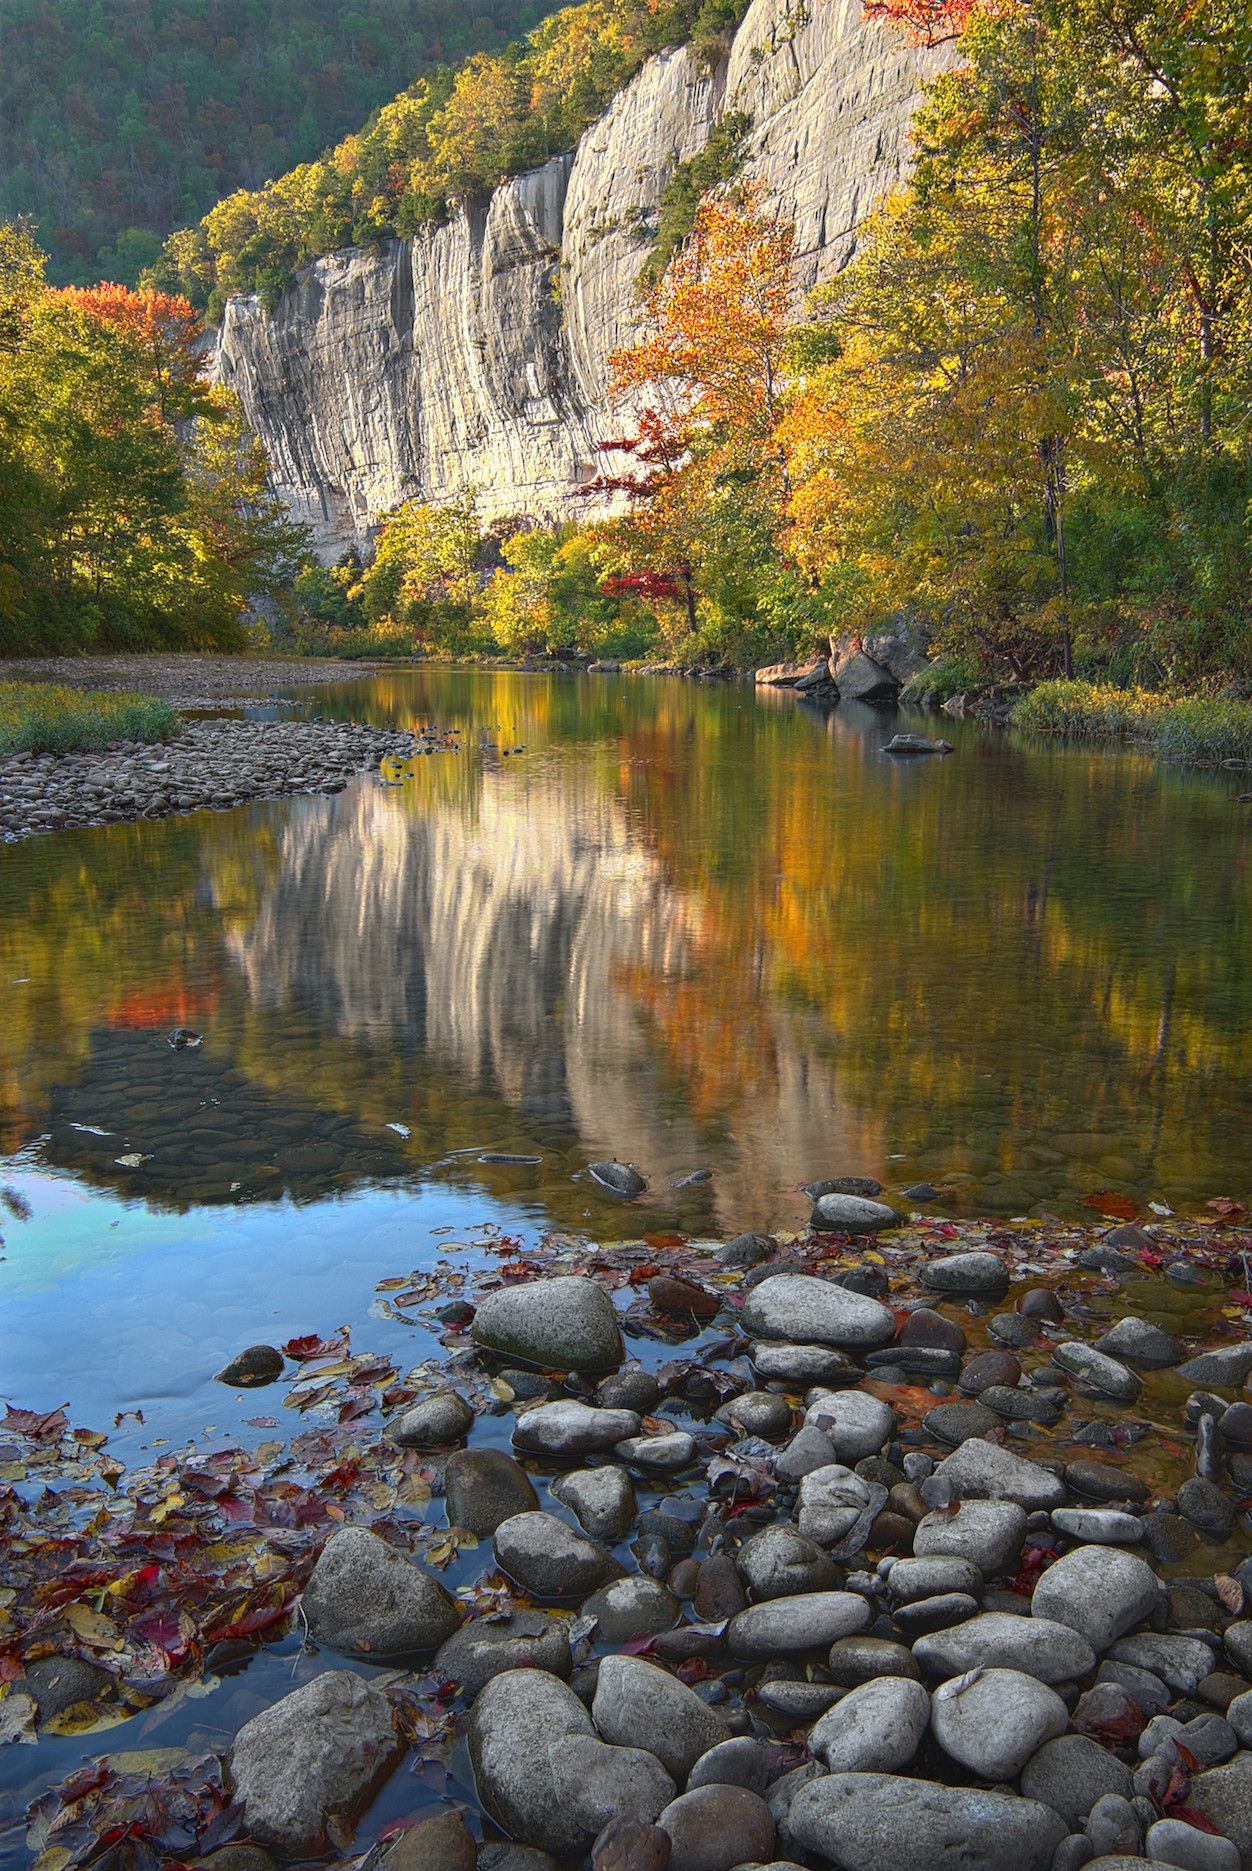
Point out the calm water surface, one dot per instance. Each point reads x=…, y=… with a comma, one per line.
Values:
x=689, y=925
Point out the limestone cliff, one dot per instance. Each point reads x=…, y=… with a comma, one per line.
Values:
x=477, y=351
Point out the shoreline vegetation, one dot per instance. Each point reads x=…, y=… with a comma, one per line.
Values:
x=49, y=718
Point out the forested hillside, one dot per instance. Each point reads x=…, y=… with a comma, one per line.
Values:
x=120, y=122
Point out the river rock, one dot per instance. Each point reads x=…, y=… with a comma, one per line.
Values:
x=248, y=1370
x=1098, y=1526
x=715, y=1828
x=548, y=1559
x=484, y=1488
x=433, y=1423
x=882, y=1822
x=851, y=1214
x=779, y=1561
x=664, y=1454
x=912, y=1579
x=569, y=1428
x=519, y=1640
x=804, y=1310
x=1099, y=1481
x=856, y=1660
x=1114, y=1828
x=1224, y=1796
x=1099, y=1591
x=1227, y=1367
x=831, y=1502
x=804, y=1621
x=978, y=1275
x=804, y=1364
x=629, y=1390
x=987, y=1533
x=857, y=1423
x=638, y=1705
x=596, y=1783
x=629, y=1845
x=740, y=1762
x=566, y=1324
x=992, y=1721
x=516, y=1721
x=1071, y=1773
x=988, y=1369
x=1206, y=1507
x=601, y=1499
x=320, y=1751
x=985, y=1471
x=756, y=1413
x=621, y=1179
x=747, y=1250
x=631, y=1607
x=958, y=1423
x=442, y=1843
x=875, y=1728
x=369, y=1599
x=1001, y=1640
x=1173, y=1842
x=934, y=1614
x=1140, y=1341
x=57, y=1683
x=1098, y=1371
x=810, y=1449
x=1180, y=1662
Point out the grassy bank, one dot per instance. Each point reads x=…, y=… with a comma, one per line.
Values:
x=1193, y=727
x=42, y=718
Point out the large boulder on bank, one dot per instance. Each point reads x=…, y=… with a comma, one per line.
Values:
x=368, y=1599
x=897, y=656
x=316, y=1756
x=858, y=677
x=516, y=1722
x=566, y=1324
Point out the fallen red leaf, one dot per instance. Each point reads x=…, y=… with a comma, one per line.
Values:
x=1109, y=1203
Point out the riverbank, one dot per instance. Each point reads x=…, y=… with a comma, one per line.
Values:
x=211, y=763
x=740, y=1518
x=1201, y=730
x=185, y=681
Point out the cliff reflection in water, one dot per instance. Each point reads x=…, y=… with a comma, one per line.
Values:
x=497, y=939
x=689, y=927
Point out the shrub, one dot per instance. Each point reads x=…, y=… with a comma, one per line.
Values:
x=41, y=718
x=1197, y=728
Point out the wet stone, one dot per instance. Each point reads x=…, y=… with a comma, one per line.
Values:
x=989, y=1367
x=1041, y=1303
x=993, y=1723
x=597, y=1784
x=987, y=1533
x=803, y=1621
x=739, y=1762
x=1038, y=1647
x=1097, y=1526
x=638, y=1705
x=629, y=1608
x=974, y=1275
x=484, y=1488
x=955, y=1423
x=1227, y=1367
x=1206, y=1507
x=1013, y=1328
x=433, y=1423
x=1141, y=1342
x=1071, y=1773
x=1098, y=1371
x=719, y=1593
x=567, y=1324
x=444, y=1843
x=879, y=1822
x=516, y=1722
x=926, y=1328
x=366, y=1598
x=851, y=1214
x=876, y=1728
x=548, y=1559
x=1099, y=1481
x=747, y=1250
x=259, y=1364
x=56, y=1684
x=520, y=1640
x=984, y=1470
x=630, y=1390
x=1099, y=1591
x=1024, y=1406
x=569, y=1429
x=601, y=1499
x=935, y=1614
x=756, y=1413
x=804, y=1364
x=714, y=1828
x=913, y=1579
x=779, y=1561
x=798, y=1308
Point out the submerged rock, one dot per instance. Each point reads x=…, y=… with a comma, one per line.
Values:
x=621, y=1179
x=248, y=1370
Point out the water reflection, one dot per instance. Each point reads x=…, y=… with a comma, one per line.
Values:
x=689, y=926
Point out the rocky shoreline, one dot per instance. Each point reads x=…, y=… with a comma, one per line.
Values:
x=899, y=1543
x=213, y=764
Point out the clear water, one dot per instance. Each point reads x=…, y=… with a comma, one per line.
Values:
x=690, y=925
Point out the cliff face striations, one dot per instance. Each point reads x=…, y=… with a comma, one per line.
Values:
x=476, y=353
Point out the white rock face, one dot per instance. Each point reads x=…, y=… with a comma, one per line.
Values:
x=476, y=353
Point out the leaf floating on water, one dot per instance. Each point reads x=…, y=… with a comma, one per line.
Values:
x=90, y=1130
x=17, y=1720
x=401, y=1130
x=182, y=1038
x=133, y=1158
x=45, y=1427
x=91, y=1628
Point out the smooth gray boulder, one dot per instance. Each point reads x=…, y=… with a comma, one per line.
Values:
x=779, y=1560
x=804, y=1621
x=807, y=1311
x=857, y=1423
x=601, y=1499
x=1071, y=1773
x=756, y=1413
x=743, y=1761
x=976, y=1274
x=596, y=1783
x=876, y=1728
x=984, y=1471
x=1181, y=1662
x=911, y=1579
x=810, y=1449
x=1224, y=1796
x=316, y=1756
x=433, y=1423
x=567, y=1324
x=638, y=1705
x=1098, y=1526
x=714, y=1828
x=987, y=1533
x=484, y=1487
x=858, y=677
x=631, y=1607
x=620, y=1179
x=515, y=1723
x=549, y=1560
x=803, y=1364
x=1001, y=1640
x=520, y=1640
x=569, y=1428
x=369, y=1599
x=852, y=1214
x=1098, y=1371
x=1227, y=1367
x=884, y=1822
x=664, y=1454
x=1099, y=1591
x=831, y=1502
x=992, y=1721
x=1141, y=1341
x=1174, y=1842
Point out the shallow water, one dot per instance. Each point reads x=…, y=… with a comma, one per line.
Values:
x=689, y=925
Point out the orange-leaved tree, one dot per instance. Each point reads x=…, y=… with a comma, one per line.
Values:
x=164, y=331
x=928, y=22
x=704, y=386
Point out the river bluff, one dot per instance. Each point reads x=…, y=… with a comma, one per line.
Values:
x=476, y=352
